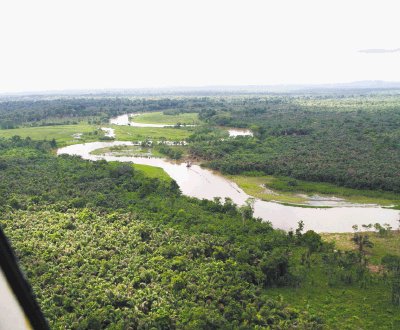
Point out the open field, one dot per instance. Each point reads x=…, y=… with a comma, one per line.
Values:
x=63, y=134
x=160, y=118
x=287, y=190
x=128, y=133
x=153, y=171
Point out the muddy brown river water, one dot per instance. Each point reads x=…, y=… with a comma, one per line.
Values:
x=203, y=183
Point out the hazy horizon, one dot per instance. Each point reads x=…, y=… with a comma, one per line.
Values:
x=272, y=88
x=99, y=45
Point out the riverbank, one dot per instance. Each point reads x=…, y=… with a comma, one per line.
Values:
x=286, y=191
x=292, y=191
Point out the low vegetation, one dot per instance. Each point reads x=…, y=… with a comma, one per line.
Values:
x=323, y=295
x=386, y=242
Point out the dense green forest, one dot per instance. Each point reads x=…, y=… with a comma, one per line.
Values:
x=352, y=142
x=348, y=140
x=105, y=246
x=70, y=110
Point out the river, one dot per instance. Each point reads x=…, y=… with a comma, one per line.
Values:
x=203, y=183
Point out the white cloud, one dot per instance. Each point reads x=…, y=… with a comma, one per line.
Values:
x=379, y=51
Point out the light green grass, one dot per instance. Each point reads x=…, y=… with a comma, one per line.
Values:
x=153, y=171
x=388, y=244
x=129, y=133
x=282, y=190
x=344, y=307
x=348, y=306
x=160, y=118
x=253, y=186
x=61, y=133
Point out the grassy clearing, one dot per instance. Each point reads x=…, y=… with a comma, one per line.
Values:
x=389, y=244
x=153, y=171
x=343, y=306
x=160, y=118
x=370, y=307
x=287, y=190
x=253, y=186
x=63, y=134
x=129, y=133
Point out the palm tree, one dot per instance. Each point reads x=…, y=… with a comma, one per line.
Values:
x=362, y=241
x=247, y=210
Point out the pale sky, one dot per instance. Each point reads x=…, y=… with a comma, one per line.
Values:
x=95, y=44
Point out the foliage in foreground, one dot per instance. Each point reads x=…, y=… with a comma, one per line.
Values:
x=114, y=271
x=105, y=246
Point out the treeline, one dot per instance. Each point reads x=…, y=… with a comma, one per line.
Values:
x=70, y=110
x=64, y=111
x=16, y=142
